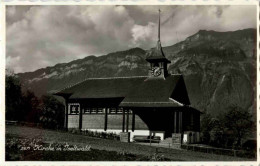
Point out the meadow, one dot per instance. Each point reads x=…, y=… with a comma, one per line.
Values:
x=96, y=149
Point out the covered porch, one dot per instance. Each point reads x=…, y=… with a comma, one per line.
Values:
x=166, y=120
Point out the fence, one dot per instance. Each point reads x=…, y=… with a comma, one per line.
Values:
x=9, y=122
x=220, y=151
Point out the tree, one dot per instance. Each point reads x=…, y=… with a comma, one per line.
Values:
x=205, y=127
x=30, y=107
x=217, y=136
x=13, y=97
x=212, y=130
x=19, y=106
x=238, y=121
x=27, y=107
x=52, y=113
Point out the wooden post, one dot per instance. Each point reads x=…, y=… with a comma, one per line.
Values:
x=198, y=117
x=175, y=122
x=66, y=115
x=123, y=124
x=133, y=121
x=180, y=122
x=127, y=120
x=192, y=121
x=80, y=118
x=150, y=137
x=105, y=127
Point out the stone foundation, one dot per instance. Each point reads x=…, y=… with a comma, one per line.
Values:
x=125, y=136
x=176, y=140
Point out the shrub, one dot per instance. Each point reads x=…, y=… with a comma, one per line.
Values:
x=52, y=113
x=105, y=135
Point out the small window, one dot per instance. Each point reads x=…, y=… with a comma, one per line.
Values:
x=100, y=110
x=74, y=109
x=120, y=110
x=112, y=110
x=93, y=110
x=87, y=111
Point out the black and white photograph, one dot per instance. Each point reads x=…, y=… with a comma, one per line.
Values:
x=166, y=83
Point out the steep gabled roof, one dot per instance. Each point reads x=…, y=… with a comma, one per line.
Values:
x=157, y=93
x=180, y=93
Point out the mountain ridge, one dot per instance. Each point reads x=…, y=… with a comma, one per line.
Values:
x=213, y=67
x=94, y=56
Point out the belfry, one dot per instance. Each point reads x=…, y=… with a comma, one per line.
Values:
x=156, y=58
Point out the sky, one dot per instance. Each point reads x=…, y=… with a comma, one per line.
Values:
x=41, y=36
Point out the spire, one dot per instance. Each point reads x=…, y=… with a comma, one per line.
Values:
x=159, y=22
x=159, y=25
x=157, y=53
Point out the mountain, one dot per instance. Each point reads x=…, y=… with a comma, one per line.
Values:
x=219, y=69
x=124, y=63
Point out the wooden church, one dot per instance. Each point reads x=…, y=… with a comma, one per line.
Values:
x=157, y=103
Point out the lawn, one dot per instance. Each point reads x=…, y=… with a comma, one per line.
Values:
x=24, y=149
x=101, y=149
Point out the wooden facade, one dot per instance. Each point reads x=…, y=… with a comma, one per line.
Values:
x=166, y=119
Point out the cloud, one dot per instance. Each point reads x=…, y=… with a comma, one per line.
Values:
x=143, y=35
x=40, y=36
x=53, y=34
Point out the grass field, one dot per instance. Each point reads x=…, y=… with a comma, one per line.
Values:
x=101, y=149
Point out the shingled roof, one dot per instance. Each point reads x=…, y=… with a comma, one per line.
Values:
x=156, y=54
x=94, y=88
x=169, y=92
x=135, y=91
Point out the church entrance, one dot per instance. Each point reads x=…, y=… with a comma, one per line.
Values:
x=169, y=126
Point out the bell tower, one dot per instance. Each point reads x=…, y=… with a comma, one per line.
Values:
x=156, y=58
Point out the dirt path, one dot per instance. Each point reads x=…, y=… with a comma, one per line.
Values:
x=111, y=145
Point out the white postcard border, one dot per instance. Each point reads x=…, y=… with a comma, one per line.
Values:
x=4, y=3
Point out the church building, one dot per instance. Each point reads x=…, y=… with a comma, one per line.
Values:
x=157, y=103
